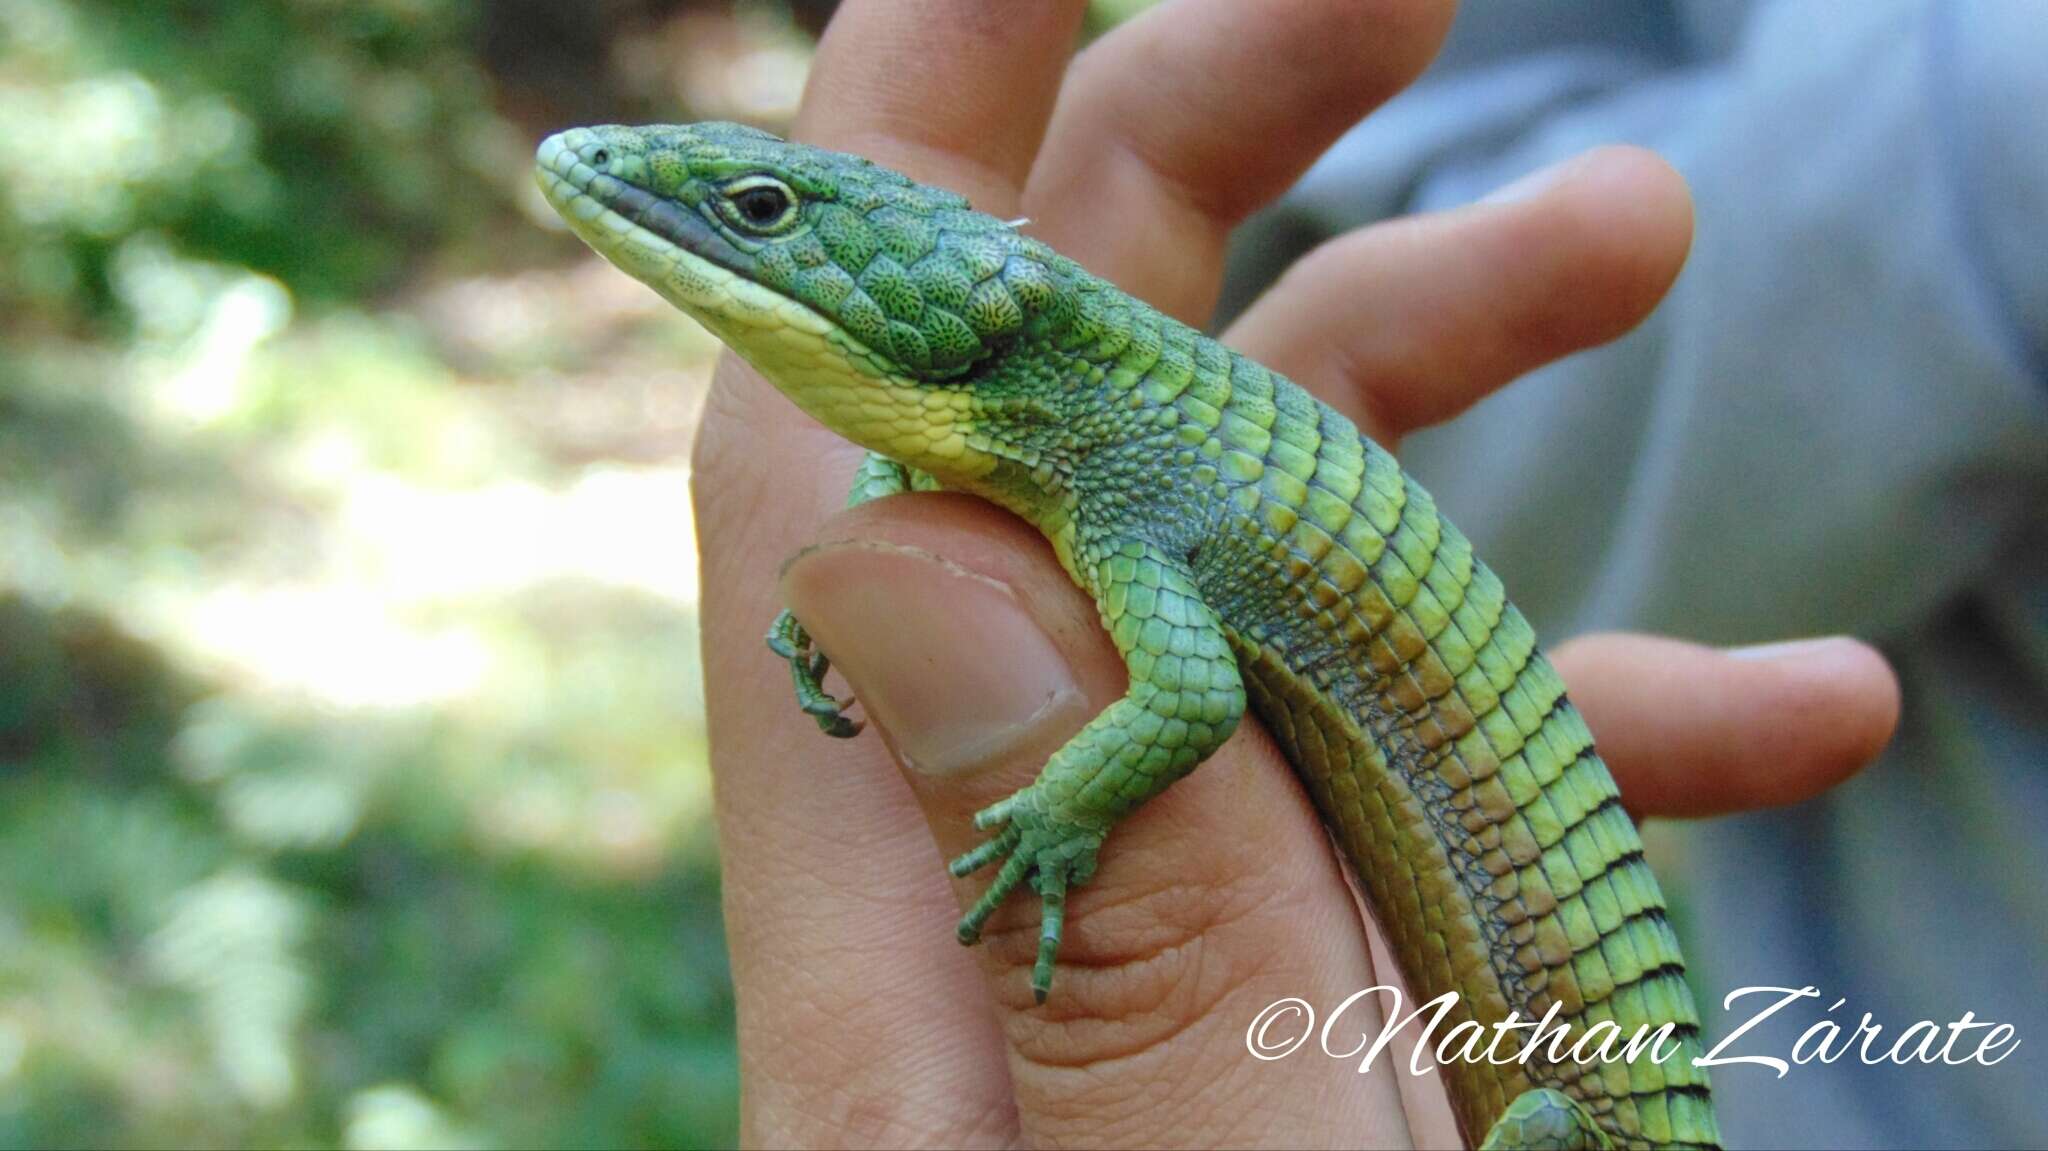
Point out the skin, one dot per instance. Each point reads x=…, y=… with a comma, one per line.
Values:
x=860, y=1020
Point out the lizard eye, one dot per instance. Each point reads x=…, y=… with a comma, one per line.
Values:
x=760, y=204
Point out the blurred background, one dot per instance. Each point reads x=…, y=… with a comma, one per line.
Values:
x=352, y=776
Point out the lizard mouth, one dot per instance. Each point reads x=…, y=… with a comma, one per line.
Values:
x=605, y=210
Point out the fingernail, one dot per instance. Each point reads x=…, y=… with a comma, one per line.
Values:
x=1788, y=649
x=946, y=661
x=1531, y=185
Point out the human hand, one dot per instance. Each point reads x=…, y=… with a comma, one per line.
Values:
x=860, y=1019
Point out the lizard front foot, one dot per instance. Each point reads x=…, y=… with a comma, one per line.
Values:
x=1054, y=854
x=807, y=666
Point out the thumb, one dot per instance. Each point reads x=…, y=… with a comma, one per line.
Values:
x=976, y=657
x=965, y=646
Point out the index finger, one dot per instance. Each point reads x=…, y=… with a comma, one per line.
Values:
x=1180, y=123
x=953, y=92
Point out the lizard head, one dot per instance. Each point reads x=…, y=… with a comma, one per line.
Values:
x=847, y=284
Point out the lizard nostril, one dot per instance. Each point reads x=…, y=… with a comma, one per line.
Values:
x=600, y=158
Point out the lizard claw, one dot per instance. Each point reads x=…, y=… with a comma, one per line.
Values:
x=807, y=666
x=1052, y=853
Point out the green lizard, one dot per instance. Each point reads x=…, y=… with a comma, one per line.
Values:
x=1245, y=544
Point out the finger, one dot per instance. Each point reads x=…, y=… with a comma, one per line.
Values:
x=857, y=1013
x=976, y=657
x=1691, y=730
x=1407, y=323
x=1178, y=124
x=954, y=92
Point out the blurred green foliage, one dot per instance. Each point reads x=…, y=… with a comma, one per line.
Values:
x=352, y=779
x=321, y=143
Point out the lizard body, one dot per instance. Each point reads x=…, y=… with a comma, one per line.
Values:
x=1246, y=546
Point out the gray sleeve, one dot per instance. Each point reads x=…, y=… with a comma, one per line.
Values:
x=1839, y=418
